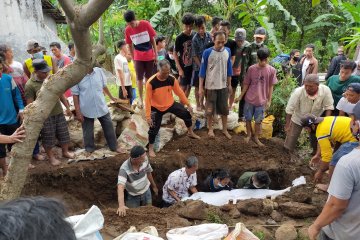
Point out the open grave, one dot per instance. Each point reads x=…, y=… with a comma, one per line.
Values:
x=80, y=185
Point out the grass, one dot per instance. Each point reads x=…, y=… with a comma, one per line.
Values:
x=214, y=217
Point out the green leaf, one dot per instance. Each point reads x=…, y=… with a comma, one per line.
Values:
x=288, y=17
x=315, y=2
x=243, y=14
x=246, y=20
x=156, y=19
x=328, y=17
x=319, y=25
x=175, y=7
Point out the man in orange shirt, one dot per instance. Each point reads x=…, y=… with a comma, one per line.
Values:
x=159, y=100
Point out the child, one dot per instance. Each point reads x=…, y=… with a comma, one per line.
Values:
x=133, y=77
x=123, y=77
x=258, y=86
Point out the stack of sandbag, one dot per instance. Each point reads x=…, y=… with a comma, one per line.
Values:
x=266, y=127
x=232, y=121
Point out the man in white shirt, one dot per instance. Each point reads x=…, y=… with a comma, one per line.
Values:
x=309, y=64
x=123, y=76
x=347, y=103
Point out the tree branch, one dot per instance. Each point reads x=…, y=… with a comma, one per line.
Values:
x=93, y=10
x=68, y=7
x=101, y=32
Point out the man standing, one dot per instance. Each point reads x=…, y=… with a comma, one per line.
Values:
x=123, y=76
x=292, y=68
x=159, y=100
x=339, y=217
x=258, y=88
x=90, y=104
x=215, y=25
x=259, y=38
x=10, y=98
x=309, y=64
x=199, y=41
x=135, y=177
x=312, y=98
x=55, y=126
x=339, y=83
x=181, y=182
x=140, y=36
x=334, y=68
x=240, y=66
x=34, y=49
x=71, y=47
x=182, y=53
x=216, y=67
x=61, y=60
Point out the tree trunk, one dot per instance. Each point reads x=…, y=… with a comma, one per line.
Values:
x=79, y=18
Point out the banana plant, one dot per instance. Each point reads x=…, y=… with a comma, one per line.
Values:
x=250, y=10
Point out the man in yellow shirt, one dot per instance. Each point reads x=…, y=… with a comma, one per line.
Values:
x=133, y=77
x=329, y=130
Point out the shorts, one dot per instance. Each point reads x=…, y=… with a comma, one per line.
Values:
x=144, y=69
x=139, y=200
x=251, y=111
x=235, y=81
x=186, y=79
x=195, y=81
x=55, y=127
x=7, y=130
x=344, y=149
x=217, y=102
x=129, y=90
x=133, y=95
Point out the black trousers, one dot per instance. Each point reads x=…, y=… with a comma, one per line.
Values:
x=156, y=117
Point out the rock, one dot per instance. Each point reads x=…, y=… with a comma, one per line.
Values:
x=276, y=216
x=193, y=210
x=180, y=127
x=250, y=206
x=75, y=131
x=268, y=206
x=286, y=232
x=303, y=233
x=299, y=210
x=270, y=222
x=260, y=231
x=276, y=206
x=234, y=213
x=227, y=207
x=117, y=114
x=124, y=124
x=301, y=194
x=176, y=222
x=163, y=137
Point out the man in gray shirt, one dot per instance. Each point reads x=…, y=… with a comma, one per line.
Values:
x=339, y=218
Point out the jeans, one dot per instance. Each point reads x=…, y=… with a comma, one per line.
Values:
x=344, y=149
x=139, y=200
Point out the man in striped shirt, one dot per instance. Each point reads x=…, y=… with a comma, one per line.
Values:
x=135, y=177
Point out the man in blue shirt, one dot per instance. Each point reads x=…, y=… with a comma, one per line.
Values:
x=89, y=104
x=10, y=100
x=216, y=67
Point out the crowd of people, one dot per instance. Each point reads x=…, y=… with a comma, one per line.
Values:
x=215, y=65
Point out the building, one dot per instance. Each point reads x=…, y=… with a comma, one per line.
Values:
x=29, y=19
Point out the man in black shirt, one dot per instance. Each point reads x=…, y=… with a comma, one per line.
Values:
x=182, y=56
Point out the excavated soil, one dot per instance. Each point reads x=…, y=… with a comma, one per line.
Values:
x=80, y=185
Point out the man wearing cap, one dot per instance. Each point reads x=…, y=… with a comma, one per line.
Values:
x=35, y=50
x=351, y=98
x=311, y=98
x=240, y=66
x=259, y=38
x=135, y=177
x=334, y=68
x=339, y=217
x=327, y=130
x=55, y=126
x=90, y=104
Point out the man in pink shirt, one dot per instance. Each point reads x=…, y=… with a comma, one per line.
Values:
x=258, y=88
x=61, y=60
x=140, y=36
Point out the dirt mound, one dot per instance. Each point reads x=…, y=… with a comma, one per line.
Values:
x=83, y=184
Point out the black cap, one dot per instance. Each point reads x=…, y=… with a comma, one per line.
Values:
x=260, y=32
x=355, y=87
x=137, y=151
x=310, y=119
x=41, y=65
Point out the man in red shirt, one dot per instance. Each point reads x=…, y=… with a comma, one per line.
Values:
x=140, y=36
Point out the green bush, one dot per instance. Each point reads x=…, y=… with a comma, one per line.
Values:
x=280, y=97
